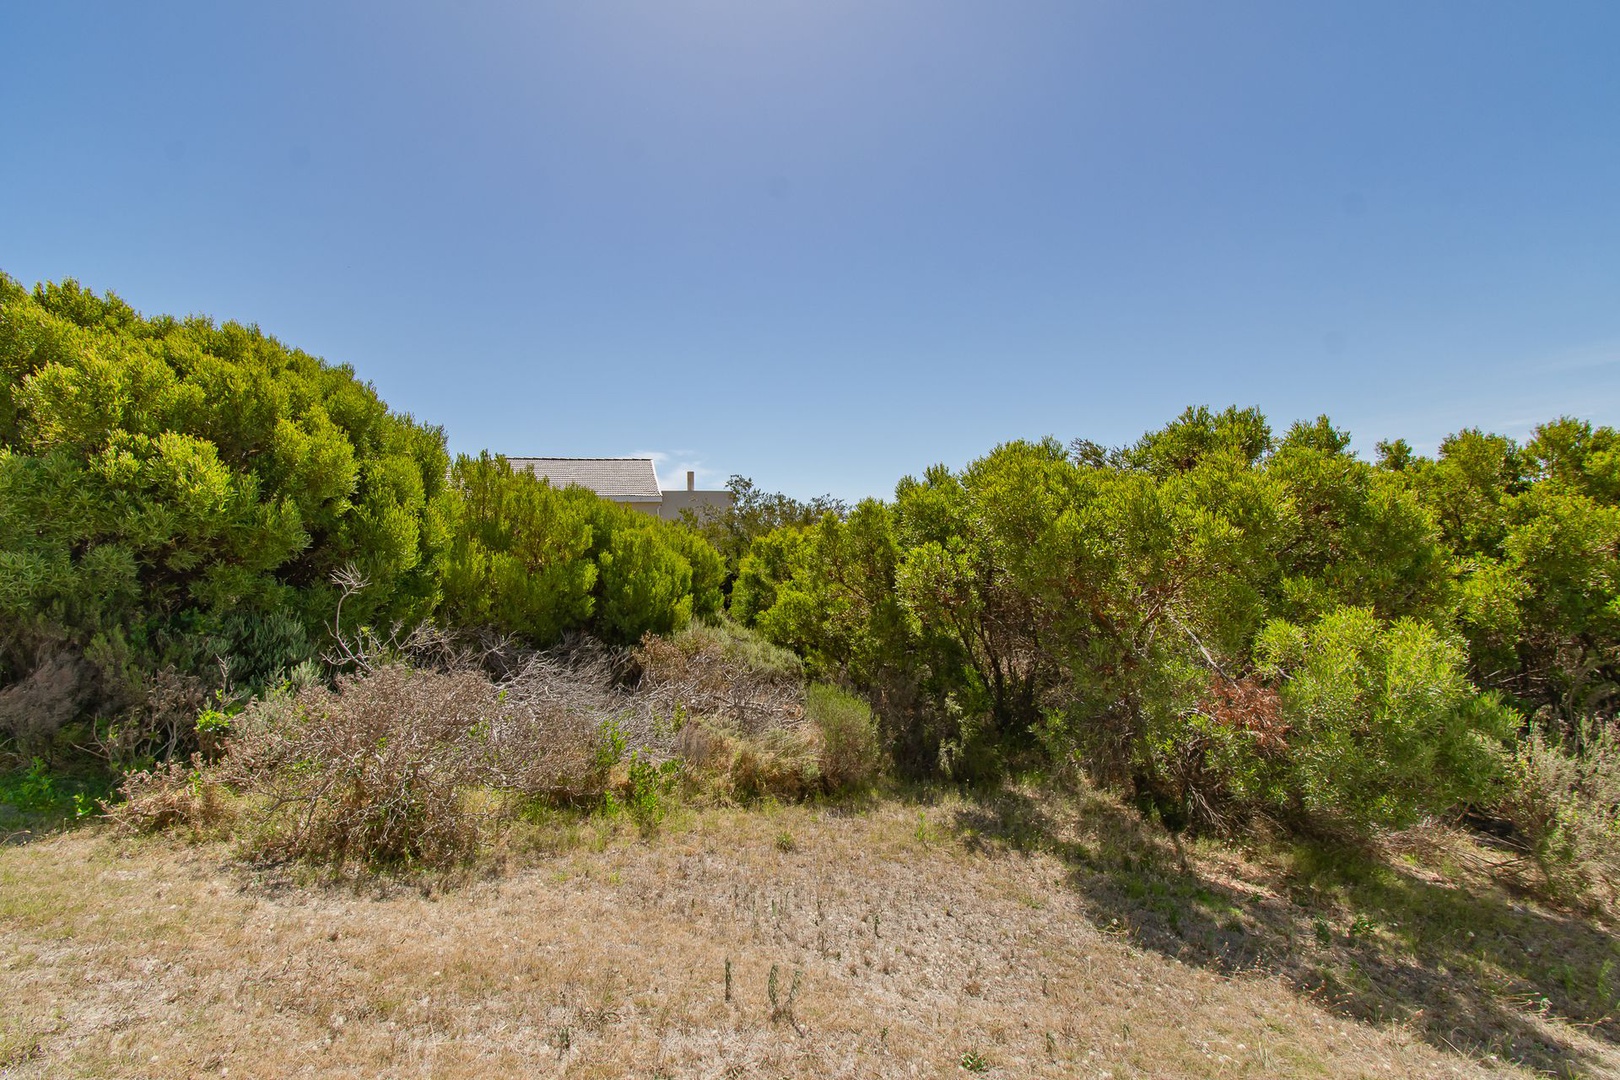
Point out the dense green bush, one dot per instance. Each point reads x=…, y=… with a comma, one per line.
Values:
x=176, y=498
x=749, y=514
x=533, y=561
x=850, y=755
x=1383, y=724
x=1217, y=619
x=176, y=493
x=518, y=560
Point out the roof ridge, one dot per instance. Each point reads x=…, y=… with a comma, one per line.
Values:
x=633, y=477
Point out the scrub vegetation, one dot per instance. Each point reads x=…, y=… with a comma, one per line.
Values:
x=1051, y=763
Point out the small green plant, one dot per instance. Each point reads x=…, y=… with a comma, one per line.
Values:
x=35, y=790
x=1608, y=997
x=975, y=1062
x=782, y=1007
x=213, y=722
x=1323, y=932
x=785, y=841
x=213, y=726
x=610, y=746
x=647, y=790
x=678, y=719
x=1361, y=927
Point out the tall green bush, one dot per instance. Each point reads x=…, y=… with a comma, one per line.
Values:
x=519, y=557
x=174, y=492
x=1383, y=724
x=536, y=562
x=1216, y=619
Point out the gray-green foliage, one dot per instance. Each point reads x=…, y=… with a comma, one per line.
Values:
x=850, y=754
x=1563, y=797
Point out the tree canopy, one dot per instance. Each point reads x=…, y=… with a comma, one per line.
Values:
x=177, y=495
x=1219, y=619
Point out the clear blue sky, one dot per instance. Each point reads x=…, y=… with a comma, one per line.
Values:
x=827, y=243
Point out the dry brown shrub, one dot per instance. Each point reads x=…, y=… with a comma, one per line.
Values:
x=401, y=765
x=779, y=764
x=738, y=706
x=703, y=747
x=162, y=724
x=386, y=769
x=374, y=771
x=836, y=751
x=171, y=796
x=1236, y=730
x=35, y=707
x=545, y=739
x=783, y=765
x=1249, y=707
x=721, y=672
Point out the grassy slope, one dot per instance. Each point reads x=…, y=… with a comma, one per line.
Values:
x=1042, y=940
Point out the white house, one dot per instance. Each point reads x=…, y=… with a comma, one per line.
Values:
x=629, y=481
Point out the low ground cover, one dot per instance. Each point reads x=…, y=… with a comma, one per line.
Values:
x=924, y=932
x=685, y=860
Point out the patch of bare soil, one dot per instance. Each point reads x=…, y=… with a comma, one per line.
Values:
x=900, y=940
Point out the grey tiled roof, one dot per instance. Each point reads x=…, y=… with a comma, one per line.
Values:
x=610, y=477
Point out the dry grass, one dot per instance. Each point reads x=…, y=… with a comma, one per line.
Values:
x=921, y=935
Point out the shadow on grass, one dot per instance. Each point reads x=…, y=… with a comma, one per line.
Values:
x=1464, y=966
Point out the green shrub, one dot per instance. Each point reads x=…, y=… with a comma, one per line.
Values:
x=850, y=757
x=647, y=789
x=526, y=559
x=1383, y=723
x=31, y=790
x=646, y=583
x=1563, y=797
x=518, y=560
x=174, y=492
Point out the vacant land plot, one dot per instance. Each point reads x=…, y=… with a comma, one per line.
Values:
x=935, y=937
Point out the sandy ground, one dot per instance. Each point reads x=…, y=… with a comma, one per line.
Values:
x=798, y=942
